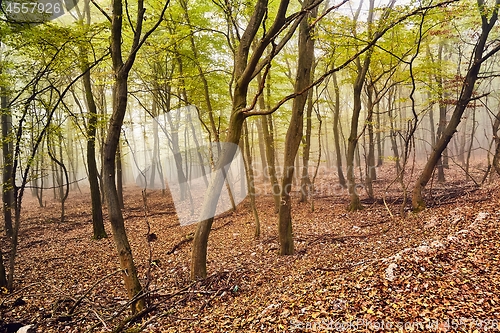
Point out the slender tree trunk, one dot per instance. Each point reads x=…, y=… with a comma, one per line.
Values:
x=270, y=155
x=303, y=78
x=362, y=69
x=268, y=127
x=380, y=153
x=336, y=136
x=95, y=194
x=371, y=175
x=471, y=144
x=3, y=275
x=250, y=179
x=262, y=149
x=119, y=175
x=8, y=181
x=305, y=181
x=201, y=72
x=496, y=140
x=7, y=190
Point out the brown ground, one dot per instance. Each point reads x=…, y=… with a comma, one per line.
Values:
x=446, y=273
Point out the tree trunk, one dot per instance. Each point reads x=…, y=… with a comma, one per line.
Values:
x=250, y=180
x=243, y=74
x=362, y=69
x=200, y=241
x=303, y=78
x=336, y=135
x=270, y=155
x=305, y=181
x=262, y=150
x=418, y=203
x=380, y=154
x=8, y=181
x=3, y=276
x=95, y=194
x=119, y=174
x=371, y=174
x=121, y=71
x=496, y=139
x=129, y=275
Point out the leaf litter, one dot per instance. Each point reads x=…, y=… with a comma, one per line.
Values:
x=352, y=271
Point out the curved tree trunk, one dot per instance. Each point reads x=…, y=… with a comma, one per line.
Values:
x=468, y=85
x=120, y=93
x=129, y=275
x=305, y=60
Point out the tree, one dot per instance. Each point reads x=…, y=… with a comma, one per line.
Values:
x=466, y=95
x=121, y=71
x=336, y=130
x=361, y=70
x=246, y=68
x=93, y=173
x=8, y=181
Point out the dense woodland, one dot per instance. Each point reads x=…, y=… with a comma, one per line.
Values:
x=365, y=139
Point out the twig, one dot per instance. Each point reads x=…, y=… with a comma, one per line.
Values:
x=187, y=238
x=90, y=289
x=100, y=319
x=213, y=297
x=17, y=292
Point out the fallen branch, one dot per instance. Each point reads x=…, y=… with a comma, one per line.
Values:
x=133, y=318
x=187, y=238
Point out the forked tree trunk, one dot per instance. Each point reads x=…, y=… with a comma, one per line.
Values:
x=121, y=70
x=468, y=85
x=243, y=74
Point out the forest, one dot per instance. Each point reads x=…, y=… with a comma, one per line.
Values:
x=250, y=166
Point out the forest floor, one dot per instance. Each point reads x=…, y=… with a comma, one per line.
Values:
x=366, y=271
